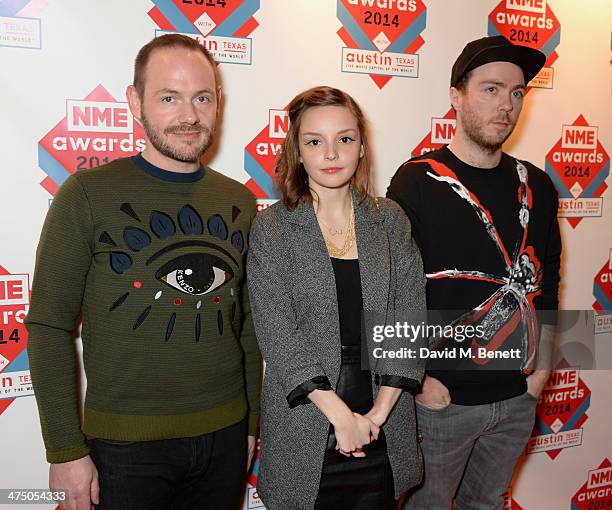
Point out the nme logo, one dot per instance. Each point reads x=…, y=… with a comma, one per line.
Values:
x=442, y=130
x=98, y=116
x=600, y=478
x=579, y=137
x=279, y=124
x=14, y=289
x=538, y=6
x=562, y=379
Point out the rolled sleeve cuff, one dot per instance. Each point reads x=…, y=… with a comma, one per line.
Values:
x=396, y=381
x=299, y=396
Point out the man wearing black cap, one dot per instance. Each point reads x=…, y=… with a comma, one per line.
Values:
x=486, y=224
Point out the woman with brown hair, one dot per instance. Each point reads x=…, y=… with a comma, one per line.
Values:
x=333, y=435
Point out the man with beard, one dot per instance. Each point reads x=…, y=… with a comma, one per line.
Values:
x=151, y=249
x=486, y=225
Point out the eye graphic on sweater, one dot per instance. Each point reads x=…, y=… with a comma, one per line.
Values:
x=187, y=258
x=195, y=273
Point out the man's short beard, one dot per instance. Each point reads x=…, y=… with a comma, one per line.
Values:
x=187, y=155
x=474, y=130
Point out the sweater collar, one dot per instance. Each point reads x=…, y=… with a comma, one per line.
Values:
x=165, y=175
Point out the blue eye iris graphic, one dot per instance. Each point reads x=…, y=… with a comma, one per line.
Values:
x=195, y=274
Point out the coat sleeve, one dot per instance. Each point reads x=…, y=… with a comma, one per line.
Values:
x=287, y=353
x=409, y=294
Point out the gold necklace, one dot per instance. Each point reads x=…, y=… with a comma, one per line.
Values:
x=348, y=240
x=333, y=231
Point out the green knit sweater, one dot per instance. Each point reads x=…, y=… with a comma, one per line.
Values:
x=157, y=269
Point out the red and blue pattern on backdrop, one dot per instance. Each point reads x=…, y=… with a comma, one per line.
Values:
x=441, y=134
x=14, y=366
x=509, y=502
x=529, y=23
x=20, y=24
x=596, y=492
x=602, y=292
x=94, y=131
x=561, y=412
x=221, y=26
x=252, y=498
x=579, y=165
x=385, y=37
x=260, y=157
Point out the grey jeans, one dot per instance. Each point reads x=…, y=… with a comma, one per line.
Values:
x=470, y=453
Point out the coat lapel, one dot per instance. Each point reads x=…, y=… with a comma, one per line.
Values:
x=374, y=256
x=314, y=279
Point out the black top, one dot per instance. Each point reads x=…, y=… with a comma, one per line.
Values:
x=450, y=228
x=348, y=290
x=354, y=384
x=350, y=304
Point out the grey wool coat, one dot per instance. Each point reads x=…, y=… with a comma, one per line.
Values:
x=295, y=310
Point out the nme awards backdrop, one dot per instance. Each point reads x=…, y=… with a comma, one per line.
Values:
x=65, y=65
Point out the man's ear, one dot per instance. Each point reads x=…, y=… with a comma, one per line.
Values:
x=219, y=98
x=134, y=102
x=455, y=98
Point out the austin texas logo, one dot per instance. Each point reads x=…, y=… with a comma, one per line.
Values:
x=382, y=37
x=20, y=25
x=221, y=26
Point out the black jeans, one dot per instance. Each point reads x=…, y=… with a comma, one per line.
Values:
x=202, y=472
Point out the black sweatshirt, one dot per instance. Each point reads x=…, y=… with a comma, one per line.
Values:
x=450, y=205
